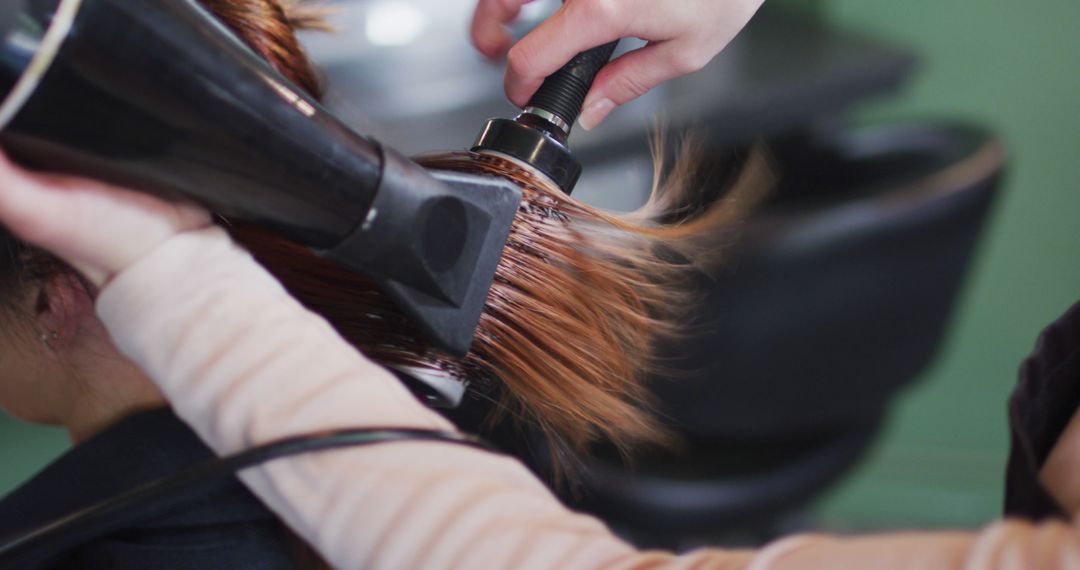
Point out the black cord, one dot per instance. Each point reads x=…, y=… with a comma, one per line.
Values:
x=37, y=546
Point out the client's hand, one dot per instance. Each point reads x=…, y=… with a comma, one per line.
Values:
x=99, y=229
x=683, y=36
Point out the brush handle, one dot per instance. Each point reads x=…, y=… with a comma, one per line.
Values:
x=563, y=92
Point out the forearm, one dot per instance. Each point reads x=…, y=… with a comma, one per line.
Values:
x=238, y=357
x=243, y=363
x=1005, y=545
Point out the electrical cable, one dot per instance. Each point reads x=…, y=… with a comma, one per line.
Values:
x=35, y=547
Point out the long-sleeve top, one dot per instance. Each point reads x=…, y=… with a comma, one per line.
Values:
x=243, y=363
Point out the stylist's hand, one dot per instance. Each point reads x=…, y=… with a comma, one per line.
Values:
x=683, y=36
x=99, y=229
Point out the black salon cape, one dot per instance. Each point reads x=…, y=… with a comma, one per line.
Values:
x=1046, y=398
x=227, y=529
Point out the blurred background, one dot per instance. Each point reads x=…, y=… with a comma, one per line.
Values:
x=1016, y=70
x=966, y=268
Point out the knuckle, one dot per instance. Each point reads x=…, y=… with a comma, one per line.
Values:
x=519, y=60
x=688, y=61
x=508, y=6
x=631, y=85
x=20, y=219
x=484, y=43
x=605, y=13
x=32, y=228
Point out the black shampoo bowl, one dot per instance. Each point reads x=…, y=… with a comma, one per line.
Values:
x=838, y=294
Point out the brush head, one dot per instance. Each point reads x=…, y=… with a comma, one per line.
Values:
x=437, y=238
x=538, y=136
x=537, y=143
x=453, y=327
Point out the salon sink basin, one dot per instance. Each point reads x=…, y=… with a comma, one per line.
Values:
x=838, y=294
x=842, y=285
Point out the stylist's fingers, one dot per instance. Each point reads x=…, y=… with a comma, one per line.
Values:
x=575, y=27
x=97, y=228
x=487, y=31
x=30, y=213
x=633, y=74
x=683, y=34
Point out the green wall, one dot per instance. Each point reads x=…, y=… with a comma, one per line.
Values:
x=24, y=449
x=1015, y=67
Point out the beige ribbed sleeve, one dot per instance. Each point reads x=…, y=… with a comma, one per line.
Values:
x=243, y=363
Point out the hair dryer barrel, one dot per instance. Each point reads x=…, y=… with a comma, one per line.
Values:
x=158, y=96
x=145, y=95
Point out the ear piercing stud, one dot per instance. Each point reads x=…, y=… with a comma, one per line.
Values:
x=47, y=337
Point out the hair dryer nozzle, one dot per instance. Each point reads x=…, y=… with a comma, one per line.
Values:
x=453, y=327
x=436, y=241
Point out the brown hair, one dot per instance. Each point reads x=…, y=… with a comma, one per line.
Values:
x=580, y=298
x=269, y=28
x=568, y=333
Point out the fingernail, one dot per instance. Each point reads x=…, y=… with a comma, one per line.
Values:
x=594, y=113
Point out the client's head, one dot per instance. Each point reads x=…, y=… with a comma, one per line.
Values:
x=57, y=362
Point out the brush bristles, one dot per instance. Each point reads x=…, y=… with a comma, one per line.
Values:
x=572, y=316
x=579, y=301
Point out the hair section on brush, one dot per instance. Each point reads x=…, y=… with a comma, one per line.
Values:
x=580, y=298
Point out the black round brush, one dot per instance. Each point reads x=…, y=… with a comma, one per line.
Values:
x=538, y=136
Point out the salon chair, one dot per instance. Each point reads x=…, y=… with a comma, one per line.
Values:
x=838, y=294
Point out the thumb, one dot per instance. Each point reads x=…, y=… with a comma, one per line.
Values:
x=97, y=228
x=23, y=207
x=632, y=75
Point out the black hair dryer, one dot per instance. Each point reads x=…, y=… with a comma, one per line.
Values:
x=158, y=96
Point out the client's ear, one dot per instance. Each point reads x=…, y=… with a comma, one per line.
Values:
x=63, y=304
